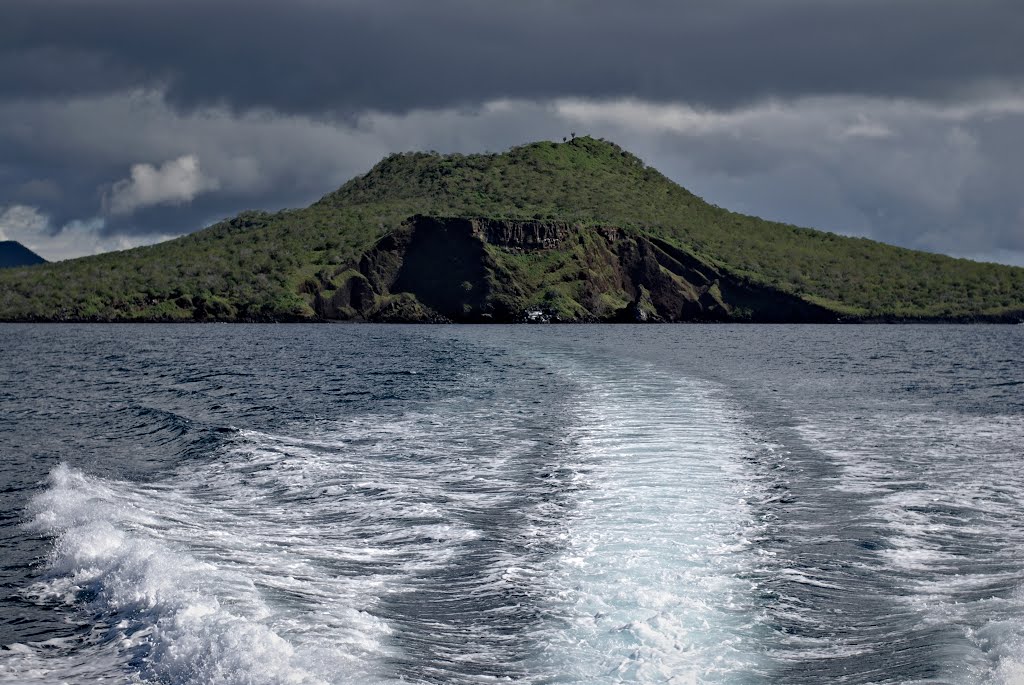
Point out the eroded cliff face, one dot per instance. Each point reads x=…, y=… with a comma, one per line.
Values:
x=475, y=270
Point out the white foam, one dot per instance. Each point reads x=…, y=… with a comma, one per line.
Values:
x=273, y=560
x=651, y=577
x=149, y=564
x=943, y=492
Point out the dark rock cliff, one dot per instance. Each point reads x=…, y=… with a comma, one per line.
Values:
x=474, y=269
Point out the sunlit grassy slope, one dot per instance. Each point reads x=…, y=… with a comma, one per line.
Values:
x=260, y=266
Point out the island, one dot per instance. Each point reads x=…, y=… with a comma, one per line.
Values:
x=13, y=253
x=577, y=231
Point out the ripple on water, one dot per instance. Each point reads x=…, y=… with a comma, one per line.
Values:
x=420, y=547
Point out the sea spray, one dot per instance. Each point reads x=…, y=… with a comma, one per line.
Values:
x=142, y=561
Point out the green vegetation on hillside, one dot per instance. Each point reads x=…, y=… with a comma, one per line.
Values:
x=260, y=266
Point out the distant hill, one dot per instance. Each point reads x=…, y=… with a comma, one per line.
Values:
x=575, y=231
x=13, y=253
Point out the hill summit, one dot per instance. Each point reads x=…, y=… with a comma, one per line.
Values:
x=13, y=253
x=574, y=231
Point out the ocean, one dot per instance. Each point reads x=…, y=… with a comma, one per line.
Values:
x=312, y=504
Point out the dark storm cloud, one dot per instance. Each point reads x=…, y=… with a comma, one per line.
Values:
x=350, y=55
x=125, y=121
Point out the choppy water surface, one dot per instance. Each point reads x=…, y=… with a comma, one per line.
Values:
x=594, y=504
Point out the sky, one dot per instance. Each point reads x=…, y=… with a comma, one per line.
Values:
x=128, y=122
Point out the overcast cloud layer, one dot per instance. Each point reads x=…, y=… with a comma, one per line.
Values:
x=124, y=122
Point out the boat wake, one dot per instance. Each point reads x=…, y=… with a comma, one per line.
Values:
x=479, y=538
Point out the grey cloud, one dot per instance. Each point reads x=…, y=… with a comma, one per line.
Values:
x=347, y=56
x=922, y=175
x=37, y=191
x=942, y=178
x=870, y=117
x=94, y=149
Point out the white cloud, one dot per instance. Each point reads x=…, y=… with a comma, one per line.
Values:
x=653, y=117
x=22, y=223
x=77, y=238
x=86, y=237
x=175, y=182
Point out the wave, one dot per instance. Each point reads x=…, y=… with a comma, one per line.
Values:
x=938, y=496
x=480, y=539
x=177, y=590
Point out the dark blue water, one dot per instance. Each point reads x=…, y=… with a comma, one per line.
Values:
x=569, y=504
